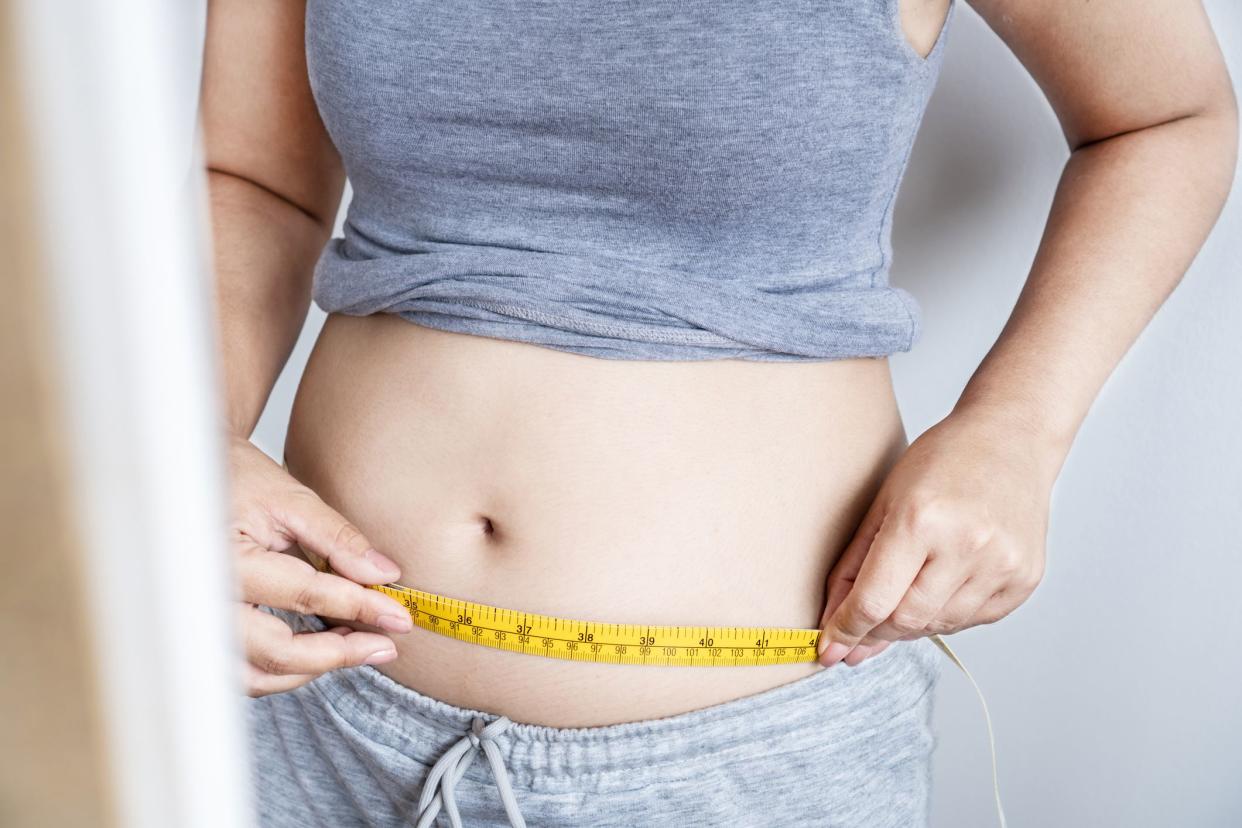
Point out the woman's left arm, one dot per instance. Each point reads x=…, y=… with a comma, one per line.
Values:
x=956, y=534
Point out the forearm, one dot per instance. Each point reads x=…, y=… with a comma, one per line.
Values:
x=264, y=252
x=1129, y=215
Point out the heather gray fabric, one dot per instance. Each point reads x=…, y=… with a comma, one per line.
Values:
x=693, y=180
x=841, y=748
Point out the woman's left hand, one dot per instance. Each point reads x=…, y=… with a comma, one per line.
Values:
x=954, y=538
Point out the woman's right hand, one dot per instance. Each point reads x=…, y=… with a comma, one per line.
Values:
x=271, y=512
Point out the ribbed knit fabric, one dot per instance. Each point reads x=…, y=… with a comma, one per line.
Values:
x=659, y=180
x=841, y=747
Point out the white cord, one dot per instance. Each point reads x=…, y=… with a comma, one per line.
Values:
x=991, y=741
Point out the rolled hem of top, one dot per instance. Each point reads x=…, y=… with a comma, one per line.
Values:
x=632, y=350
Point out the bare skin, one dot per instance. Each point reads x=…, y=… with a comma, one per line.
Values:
x=706, y=493
x=611, y=490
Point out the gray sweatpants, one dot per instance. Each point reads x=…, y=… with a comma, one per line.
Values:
x=841, y=747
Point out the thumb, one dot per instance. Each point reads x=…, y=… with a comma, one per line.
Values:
x=319, y=528
x=844, y=572
x=890, y=566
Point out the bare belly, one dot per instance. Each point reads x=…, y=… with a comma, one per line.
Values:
x=700, y=493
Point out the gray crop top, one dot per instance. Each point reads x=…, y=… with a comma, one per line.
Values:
x=701, y=179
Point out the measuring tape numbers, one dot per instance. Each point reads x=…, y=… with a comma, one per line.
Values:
x=548, y=635
x=597, y=641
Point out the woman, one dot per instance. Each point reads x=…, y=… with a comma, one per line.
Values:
x=608, y=339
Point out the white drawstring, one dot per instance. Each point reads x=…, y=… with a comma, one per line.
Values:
x=449, y=769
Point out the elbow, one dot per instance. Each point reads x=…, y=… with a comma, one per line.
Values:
x=320, y=215
x=1219, y=143
x=1229, y=126
x=1220, y=114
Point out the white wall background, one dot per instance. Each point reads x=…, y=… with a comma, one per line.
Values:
x=1114, y=690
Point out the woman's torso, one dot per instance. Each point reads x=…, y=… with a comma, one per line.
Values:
x=697, y=180
x=701, y=493
x=710, y=182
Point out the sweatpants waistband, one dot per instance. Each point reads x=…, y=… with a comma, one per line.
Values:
x=837, y=704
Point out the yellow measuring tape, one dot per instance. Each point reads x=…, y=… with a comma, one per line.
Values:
x=549, y=635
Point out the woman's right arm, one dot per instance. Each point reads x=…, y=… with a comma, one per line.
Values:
x=275, y=181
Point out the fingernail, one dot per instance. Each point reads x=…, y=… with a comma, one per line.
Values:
x=381, y=657
x=386, y=567
x=395, y=623
x=834, y=653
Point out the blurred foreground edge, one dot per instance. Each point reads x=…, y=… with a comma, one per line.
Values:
x=119, y=699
